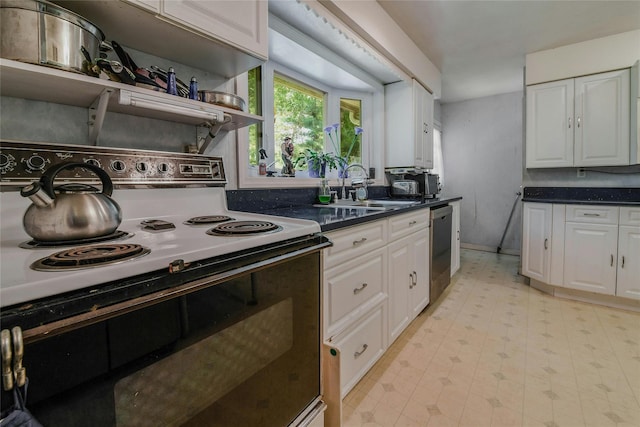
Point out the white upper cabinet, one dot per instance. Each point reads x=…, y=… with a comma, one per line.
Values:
x=225, y=37
x=550, y=125
x=239, y=23
x=602, y=119
x=579, y=122
x=409, y=126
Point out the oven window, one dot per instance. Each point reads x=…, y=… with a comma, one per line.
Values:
x=245, y=352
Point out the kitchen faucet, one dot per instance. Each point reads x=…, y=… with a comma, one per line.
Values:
x=364, y=182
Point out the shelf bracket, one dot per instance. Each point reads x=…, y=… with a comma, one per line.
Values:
x=214, y=130
x=97, y=111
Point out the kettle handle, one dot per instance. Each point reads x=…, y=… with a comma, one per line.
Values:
x=47, y=178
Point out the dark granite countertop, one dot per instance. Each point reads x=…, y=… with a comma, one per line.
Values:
x=331, y=218
x=583, y=195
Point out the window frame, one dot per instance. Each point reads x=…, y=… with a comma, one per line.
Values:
x=372, y=106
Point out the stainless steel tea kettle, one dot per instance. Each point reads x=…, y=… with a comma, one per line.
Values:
x=72, y=211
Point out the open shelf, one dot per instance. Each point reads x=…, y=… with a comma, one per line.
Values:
x=40, y=83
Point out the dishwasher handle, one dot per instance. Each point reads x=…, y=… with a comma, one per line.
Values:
x=440, y=213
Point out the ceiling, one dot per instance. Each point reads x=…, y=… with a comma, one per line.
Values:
x=480, y=46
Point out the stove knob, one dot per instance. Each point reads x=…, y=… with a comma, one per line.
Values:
x=93, y=162
x=7, y=163
x=163, y=168
x=36, y=163
x=142, y=167
x=118, y=166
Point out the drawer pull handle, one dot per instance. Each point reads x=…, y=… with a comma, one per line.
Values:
x=411, y=223
x=622, y=261
x=546, y=244
x=359, y=242
x=569, y=122
x=578, y=121
x=611, y=260
x=359, y=353
x=360, y=289
x=414, y=279
x=591, y=214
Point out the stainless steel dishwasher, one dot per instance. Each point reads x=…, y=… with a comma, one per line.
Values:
x=440, y=251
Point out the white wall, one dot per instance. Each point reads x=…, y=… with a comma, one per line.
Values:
x=482, y=149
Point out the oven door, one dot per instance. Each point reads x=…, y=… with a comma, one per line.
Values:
x=238, y=347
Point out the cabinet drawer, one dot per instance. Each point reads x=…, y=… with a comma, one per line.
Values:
x=629, y=216
x=360, y=347
x=352, y=287
x=354, y=241
x=592, y=214
x=405, y=224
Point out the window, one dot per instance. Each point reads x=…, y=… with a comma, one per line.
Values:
x=350, y=119
x=255, y=107
x=298, y=113
x=438, y=161
x=297, y=106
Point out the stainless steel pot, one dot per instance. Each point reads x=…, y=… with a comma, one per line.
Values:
x=40, y=32
x=221, y=98
x=72, y=211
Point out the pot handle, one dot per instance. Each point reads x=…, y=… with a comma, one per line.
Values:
x=47, y=178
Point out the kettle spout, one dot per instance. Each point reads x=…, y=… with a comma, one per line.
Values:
x=37, y=195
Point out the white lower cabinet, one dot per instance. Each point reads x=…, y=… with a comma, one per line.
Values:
x=365, y=278
x=592, y=248
x=360, y=347
x=455, y=237
x=536, y=240
x=408, y=280
x=628, y=284
x=590, y=257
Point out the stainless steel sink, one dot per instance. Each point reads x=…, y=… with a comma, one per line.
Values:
x=373, y=204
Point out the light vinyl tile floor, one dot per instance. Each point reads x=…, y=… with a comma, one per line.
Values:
x=495, y=352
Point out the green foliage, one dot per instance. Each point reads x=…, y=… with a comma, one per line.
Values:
x=299, y=115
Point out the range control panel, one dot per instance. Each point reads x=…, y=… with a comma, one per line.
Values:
x=24, y=162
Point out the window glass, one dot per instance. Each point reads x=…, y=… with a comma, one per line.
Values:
x=350, y=119
x=298, y=113
x=254, y=105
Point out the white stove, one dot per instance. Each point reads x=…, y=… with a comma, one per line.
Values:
x=20, y=283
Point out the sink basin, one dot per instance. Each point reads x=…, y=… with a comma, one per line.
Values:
x=383, y=204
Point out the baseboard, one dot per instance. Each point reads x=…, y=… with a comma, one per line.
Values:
x=489, y=249
x=588, y=297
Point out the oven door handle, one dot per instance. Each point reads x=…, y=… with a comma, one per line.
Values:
x=103, y=313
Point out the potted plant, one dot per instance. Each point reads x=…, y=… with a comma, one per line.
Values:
x=343, y=161
x=317, y=162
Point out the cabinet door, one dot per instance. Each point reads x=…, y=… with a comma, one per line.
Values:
x=550, y=124
x=151, y=5
x=602, y=119
x=536, y=240
x=455, y=237
x=591, y=257
x=628, y=285
x=419, y=288
x=400, y=279
x=242, y=24
x=423, y=111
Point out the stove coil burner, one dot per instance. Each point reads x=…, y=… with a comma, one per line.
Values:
x=35, y=244
x=243, y=228
x=208, y=219
x=89, y=257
